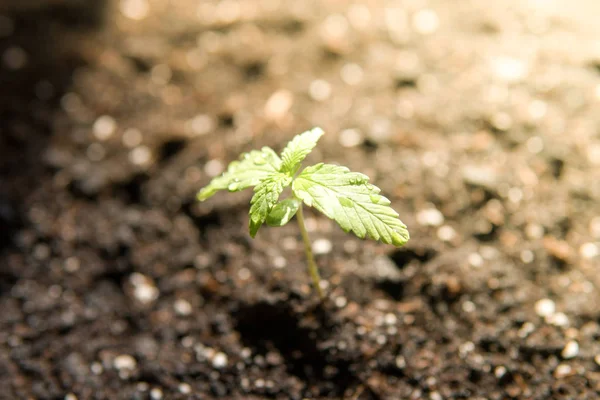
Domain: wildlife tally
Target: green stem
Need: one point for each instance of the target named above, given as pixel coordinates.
(313, 270)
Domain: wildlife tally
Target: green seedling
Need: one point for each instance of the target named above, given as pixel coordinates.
(344, 196)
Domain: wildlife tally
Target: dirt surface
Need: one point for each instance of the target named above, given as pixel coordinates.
(478, 120)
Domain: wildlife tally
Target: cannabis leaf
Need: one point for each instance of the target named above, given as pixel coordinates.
(266, 194)
(298, 149)
(349, 199)
(283, 212)
(250, 170)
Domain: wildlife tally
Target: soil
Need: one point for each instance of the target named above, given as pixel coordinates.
(478, 120)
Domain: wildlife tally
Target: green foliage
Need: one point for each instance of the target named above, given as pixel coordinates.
(350, 200)
(344, 196)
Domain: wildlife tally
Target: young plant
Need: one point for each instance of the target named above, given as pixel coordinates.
(344, 196)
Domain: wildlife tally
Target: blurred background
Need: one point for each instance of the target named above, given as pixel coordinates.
(478, 119)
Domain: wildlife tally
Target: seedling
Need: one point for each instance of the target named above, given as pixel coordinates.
(344, 196)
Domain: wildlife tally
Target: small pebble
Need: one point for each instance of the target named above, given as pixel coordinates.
(597, 359)
(219, 360)
(589, 250)
(322, 246)
(144, 289)
(70, 396)
(500, 371)
(213, 167)
(475, 260)
(201, 124)
(571, 350)
(558, 319)
(135, 9)
(156, 394)
(509, 69)
(562, 371)
(430, 217)
(535, 144)
(426, 22)
(185, 388)
(140, 155)
(131, 138)
(527, 256)
(319, 90)
(124, 362)
(545, 307)
(279, 104)
(352, 74)
(446, 233)
(350, 138)
(104, 127)
(183, 307)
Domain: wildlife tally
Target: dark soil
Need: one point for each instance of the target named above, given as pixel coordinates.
(478, 120)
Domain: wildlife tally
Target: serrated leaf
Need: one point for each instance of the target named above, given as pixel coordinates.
(349, 199)
(266, 194)
(248, 171)
(283, 212)
(297, 150)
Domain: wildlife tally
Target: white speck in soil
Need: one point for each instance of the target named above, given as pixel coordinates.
(535, 144)
(468, 306)
(558, 319)
(340, 302)
(425, 22)
(322, 246)
(475, 260)
(124, 362)
(140, 155)
(562, 371)
(537, 109)
(515, 195)
(501, 121)
(359, 16)
(509, 69)
(319, 90)
(219, 360)
(446, 233)
(132, 137)
(104, 127)
(589, 250)
(430, 217)
(144, 289)
(534, 231)
(135, 9)
(70, 396)
(244, 274)
(156, 394)
(352, 74)
(279, 262)
(390, 319)
(571, 350)
(350, 138)
(527, 256)
(526, 329)
(278, 105)
(96, 368)
(213, 167)
(183, 307)
(15, 58)
(545, 307)
(500, 371)
(593, 154)
(185, 388)
(200, 125)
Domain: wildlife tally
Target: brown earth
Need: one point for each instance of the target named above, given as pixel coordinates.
(478, 120)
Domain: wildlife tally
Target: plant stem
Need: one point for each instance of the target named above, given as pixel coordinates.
(313, 270)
